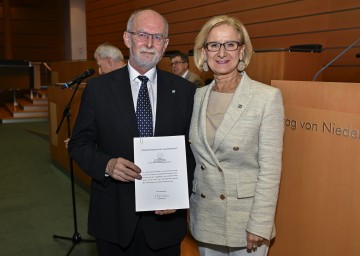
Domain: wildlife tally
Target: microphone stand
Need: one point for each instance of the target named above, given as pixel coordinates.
(338, 56)
(76, 238)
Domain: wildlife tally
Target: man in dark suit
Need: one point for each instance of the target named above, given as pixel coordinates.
(102, 143)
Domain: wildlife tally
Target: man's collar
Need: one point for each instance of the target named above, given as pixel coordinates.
(186, 72)
(151, 74)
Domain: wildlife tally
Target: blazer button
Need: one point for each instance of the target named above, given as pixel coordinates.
(202, 195)
(219, 169)
(236, 148)
(202, 167)
(189, 141)
(222, 197)
(239, 106)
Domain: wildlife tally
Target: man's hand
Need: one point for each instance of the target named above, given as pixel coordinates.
(164, 212)
(66, 142)
(123, 170)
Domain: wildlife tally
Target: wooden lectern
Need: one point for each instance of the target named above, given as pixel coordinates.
(58, 99)
(318, 211)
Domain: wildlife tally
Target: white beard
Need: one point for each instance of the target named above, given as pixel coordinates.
(145, 63)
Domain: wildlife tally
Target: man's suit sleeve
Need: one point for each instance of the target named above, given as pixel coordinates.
(82, 145)
(189, 155)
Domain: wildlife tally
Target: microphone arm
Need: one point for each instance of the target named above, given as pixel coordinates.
(338, 56)
(77, 80)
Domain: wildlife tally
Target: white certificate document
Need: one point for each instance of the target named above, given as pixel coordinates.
(164, 183)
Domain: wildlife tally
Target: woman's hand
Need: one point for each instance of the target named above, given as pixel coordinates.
(253, 241)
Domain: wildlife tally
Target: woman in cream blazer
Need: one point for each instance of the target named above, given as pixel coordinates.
(238, 168)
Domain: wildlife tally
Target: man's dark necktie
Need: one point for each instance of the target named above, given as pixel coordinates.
(143, 110)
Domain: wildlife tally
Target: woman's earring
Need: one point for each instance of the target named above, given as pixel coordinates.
(241, 65)
(205, 67)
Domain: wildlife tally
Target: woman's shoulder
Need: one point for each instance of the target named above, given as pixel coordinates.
(201, 93)
(203, 89)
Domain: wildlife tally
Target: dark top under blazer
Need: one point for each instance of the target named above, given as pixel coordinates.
(104, 129)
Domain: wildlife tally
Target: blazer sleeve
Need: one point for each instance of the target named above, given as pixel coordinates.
(261, 221)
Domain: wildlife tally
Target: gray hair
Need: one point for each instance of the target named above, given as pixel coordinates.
(107, 50)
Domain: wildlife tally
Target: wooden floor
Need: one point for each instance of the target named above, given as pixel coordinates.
(189, 246)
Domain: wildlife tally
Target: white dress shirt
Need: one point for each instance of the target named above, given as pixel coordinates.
(184, 75)
(151, 85)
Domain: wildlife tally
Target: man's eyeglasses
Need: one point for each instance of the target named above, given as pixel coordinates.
(144, 36)
(176, 63)
(215, 46)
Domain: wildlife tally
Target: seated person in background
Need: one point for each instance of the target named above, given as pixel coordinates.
(180, 66)
(108, 58)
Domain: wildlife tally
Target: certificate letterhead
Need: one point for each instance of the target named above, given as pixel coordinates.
(164, 183)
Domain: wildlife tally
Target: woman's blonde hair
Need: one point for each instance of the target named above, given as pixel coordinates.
(201, 38)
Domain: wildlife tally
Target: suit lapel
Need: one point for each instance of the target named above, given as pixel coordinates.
(121, 91)
(165, 98)
(235, 110)
(202, 119)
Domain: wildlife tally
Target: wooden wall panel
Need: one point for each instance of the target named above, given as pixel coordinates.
(303, 25)
(205, 11)
(26, 27)
(37, 31)
(251, 16)
(293, 10)
(115, 8)
(349, 58)
(348, 73)
(45, 13)
(329, 39)
(272, 24)
(37, 42)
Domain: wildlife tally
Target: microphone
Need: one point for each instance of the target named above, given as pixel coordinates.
(78, 79)
(334, 59)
